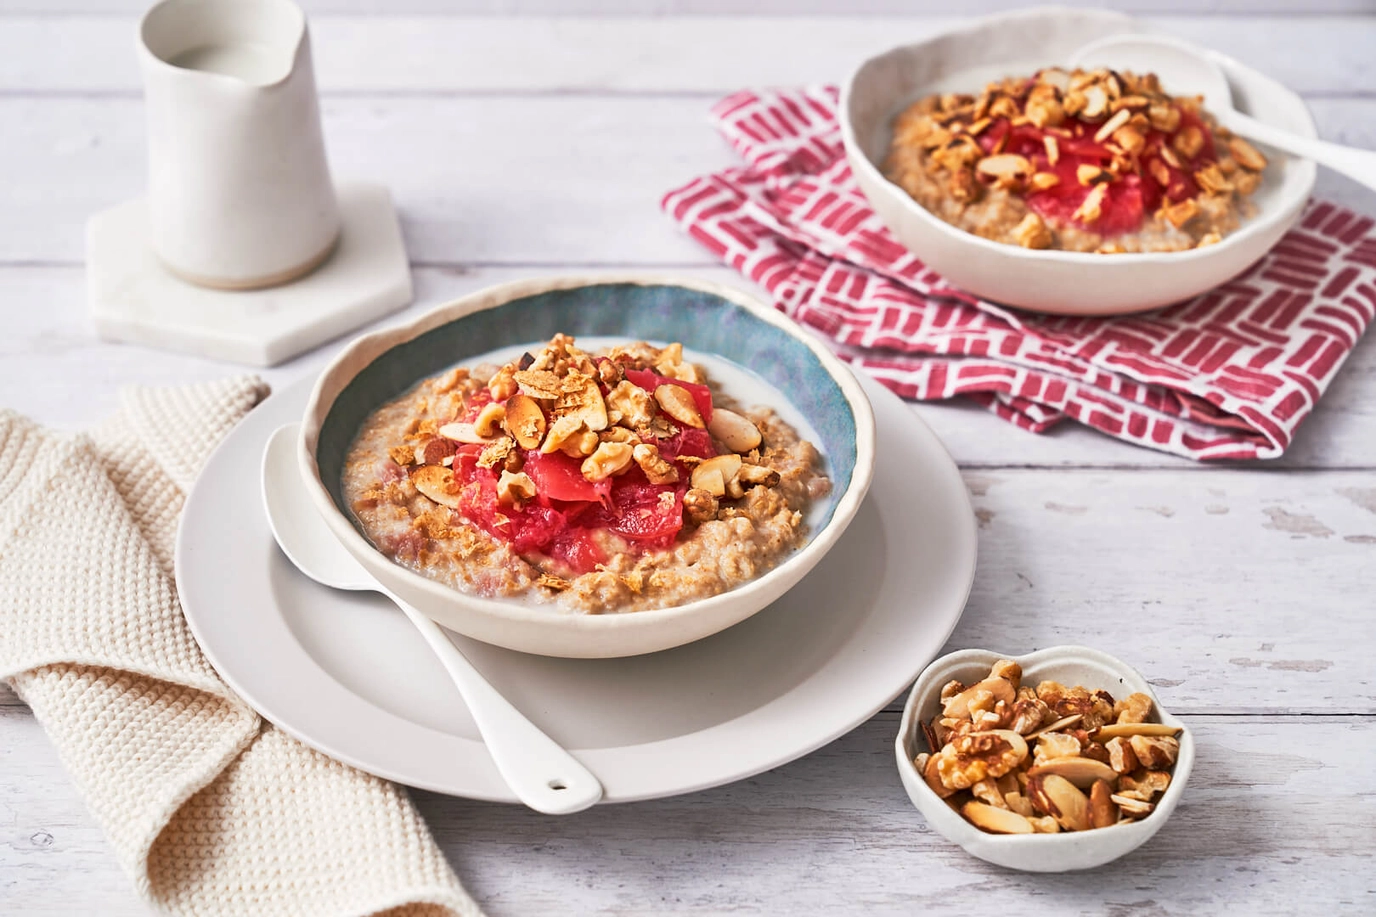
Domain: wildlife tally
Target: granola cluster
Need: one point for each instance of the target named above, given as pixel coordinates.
(1014, 759)
(1095, 156)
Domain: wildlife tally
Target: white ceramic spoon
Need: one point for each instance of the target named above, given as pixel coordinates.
(544, 776)
(1187, 69)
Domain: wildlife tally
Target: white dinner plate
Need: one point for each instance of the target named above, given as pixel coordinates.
(347, 674)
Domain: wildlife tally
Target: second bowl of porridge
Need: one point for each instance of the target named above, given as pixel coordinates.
(589, 469)
(1096, 192)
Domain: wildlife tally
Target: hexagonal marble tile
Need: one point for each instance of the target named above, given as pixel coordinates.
(134, 299)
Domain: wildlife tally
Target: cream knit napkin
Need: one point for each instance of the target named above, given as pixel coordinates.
(209, 809)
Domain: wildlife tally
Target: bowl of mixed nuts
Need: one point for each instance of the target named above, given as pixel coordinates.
(1055, 761)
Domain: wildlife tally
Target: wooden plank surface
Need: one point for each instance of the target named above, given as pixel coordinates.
(519, 147)
(1276, 819)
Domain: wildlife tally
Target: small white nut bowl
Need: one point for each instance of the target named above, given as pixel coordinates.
(1066, 851)
(1047, 280)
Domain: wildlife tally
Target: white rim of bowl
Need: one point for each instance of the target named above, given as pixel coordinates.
(513, 609)
(1261, 223)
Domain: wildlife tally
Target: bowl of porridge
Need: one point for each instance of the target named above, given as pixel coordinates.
(589, 468)
(1064, 190)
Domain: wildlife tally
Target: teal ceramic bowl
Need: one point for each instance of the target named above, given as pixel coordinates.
(707, 318)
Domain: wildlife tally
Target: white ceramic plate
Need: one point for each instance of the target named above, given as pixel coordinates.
(347, 674)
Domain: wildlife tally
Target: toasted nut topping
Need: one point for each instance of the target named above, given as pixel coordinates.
(752, 475)
(1114, 730)
(538, 383)
(1053, 149)
(1121, 756)
(1212, 179)
(1004, 165)
(525, 420)
(699, 506)
(970, 758)
(501, 449)
(629, 404)
(1043, 180)
(609, 459)
(1155, 752)
(1130, 139)
(657, 470)
(1088, 174)
(1144, 785)
(1092, 207)
(1063, 723)
(1246, 183)
(619, 435)
(1134, 808)
(1164, 117)
(713, 474)
(563, 430)
(1169, 156)
(676, 401)
(1059, 798)
(735, 432)
(1106, 130)
(1082, 772)
(1052, 745)
(489, 422)
(1135, 708)
(550, 581)
(462, 433)
(1181, 213)
(1102, 810)
(1032, 232)
(437, 483)
(611, 373)
(1159, 172)
(1188, 142)
(515, 489)
(1247, 156)
(581, 445)
(996, 820)
(996, 689)
(1096, 103)
(502, 386)
(1211, 238)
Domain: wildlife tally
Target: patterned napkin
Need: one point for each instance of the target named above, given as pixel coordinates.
(209, 809)
(1228, 375)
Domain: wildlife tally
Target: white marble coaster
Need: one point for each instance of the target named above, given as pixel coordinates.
(134, 299)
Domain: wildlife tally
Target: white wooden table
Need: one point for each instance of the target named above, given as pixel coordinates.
(527, 146)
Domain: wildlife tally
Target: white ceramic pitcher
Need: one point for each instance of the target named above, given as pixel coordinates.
(240, 195)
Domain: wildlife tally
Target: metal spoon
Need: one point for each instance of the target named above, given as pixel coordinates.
(1187, 69)
(544, 776)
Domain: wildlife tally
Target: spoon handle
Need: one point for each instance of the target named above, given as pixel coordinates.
(540, 772)
(1359, 165)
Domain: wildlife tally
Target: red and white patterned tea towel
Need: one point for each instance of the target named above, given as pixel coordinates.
(1228, 375)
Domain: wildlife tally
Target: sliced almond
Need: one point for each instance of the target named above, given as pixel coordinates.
(1043, 180)
(1061, 799)
(437, 483)
(1102, 811)
(1132, 807)
(735, 432)
(995, 820)
(1088, 174)
(463, 433)
(1004, 165)
(1057, 726)
(1093, 206)
(525, 420)
(539, 383)
(678, 403)
(1053, 149)
(1106, 130)
(1096, 103)
(1115, 730)
(1083, 772)
(715, 472)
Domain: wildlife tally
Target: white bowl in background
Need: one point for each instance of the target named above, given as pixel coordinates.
(1066, 851)
(1072, 283)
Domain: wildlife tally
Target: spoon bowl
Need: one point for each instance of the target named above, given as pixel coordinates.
(543, 775)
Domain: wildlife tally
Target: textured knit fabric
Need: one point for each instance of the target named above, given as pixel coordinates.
(1229, 374)
(210, 810)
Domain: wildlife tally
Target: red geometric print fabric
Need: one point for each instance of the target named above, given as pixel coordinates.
(1228, 375)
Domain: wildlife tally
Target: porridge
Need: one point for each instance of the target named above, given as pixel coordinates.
(1087, 161)
(615, 482)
